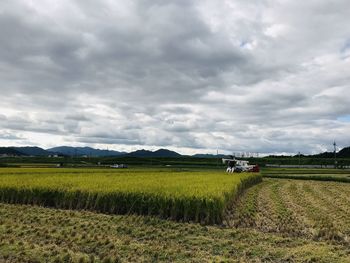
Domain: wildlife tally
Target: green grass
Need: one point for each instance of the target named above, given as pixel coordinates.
(337, 175)
(306, 171)
(199, 196)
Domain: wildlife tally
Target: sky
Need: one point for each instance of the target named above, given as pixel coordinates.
(192, 76)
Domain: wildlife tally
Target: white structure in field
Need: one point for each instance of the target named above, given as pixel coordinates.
(119, 166)
(234, 165)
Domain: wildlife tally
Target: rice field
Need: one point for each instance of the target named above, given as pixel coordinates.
(276, 220)
(199, 196)
(297, 208)
(36, 234)
(337, 175)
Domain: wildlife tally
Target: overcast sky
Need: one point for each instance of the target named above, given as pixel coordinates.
(192, 76)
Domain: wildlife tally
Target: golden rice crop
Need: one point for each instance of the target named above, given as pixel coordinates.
(200, 196)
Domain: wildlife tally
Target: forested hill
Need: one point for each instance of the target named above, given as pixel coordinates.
(343, 153)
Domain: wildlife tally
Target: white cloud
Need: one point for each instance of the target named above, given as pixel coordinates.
(187, 75)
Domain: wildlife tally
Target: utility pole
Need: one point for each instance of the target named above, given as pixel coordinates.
(217, 157)
(299, 159)
(75, 157)
(335, 155)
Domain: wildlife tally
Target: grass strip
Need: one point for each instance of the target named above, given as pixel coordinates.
(309, 177)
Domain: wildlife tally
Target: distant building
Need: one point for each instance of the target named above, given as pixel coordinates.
(119, 166)
(299, 166)
(7, 155)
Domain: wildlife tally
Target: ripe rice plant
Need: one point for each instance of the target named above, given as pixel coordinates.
(199, 196)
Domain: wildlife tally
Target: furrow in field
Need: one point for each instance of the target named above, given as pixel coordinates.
(36, 234)
(324, 227)
(297, 208)
(243, 212)
(300, 225)
(341, 193)
(339, 205)
(280, 214)
(265, 207)
(328, 204)
(303, 206)
(266, 219)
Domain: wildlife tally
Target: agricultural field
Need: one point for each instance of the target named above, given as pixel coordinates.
(200, 196)
(36, 234)
(312, 210)
(338, 175)
(49, 215)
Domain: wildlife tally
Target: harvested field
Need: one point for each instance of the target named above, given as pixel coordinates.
(336, 175)
(310, 209)
(35, 234)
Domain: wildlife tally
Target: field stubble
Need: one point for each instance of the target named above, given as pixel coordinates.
(335, 175)
(310, 209)
(36, 234)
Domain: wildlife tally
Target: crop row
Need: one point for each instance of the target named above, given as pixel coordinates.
(315, 177)
(315, 210)
(36, 234)
(184, 196)
(306, 171)
(336, 175)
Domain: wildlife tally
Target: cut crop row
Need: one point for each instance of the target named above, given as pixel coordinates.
(36, 234)
(297, 208)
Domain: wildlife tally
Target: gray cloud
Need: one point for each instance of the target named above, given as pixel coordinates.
(188, 75)
(6, 135)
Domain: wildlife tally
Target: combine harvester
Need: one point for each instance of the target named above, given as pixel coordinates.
(234, 165)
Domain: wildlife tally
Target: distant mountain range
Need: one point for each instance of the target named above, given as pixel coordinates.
(24, 151)
(35, 151)
(88, 151)
(343, 153)
(200, 155)
(9, 151)
(158, 153)
(80, 151)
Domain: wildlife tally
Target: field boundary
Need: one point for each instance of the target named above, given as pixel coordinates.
(309, 177)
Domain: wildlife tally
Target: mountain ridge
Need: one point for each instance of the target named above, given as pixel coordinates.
(89, 151)
(157, 153)
(79, 151)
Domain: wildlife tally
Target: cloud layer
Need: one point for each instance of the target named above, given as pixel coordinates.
(192, 76)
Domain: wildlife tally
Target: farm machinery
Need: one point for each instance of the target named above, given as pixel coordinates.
(237, 166)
